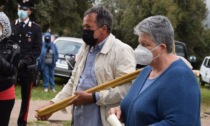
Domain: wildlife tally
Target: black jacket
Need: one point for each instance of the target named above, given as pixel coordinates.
(29, 38)
(9, 59)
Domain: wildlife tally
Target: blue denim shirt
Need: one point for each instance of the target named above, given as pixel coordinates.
(88, 115)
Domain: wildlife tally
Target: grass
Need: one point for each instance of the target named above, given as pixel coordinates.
(205, 94)
(49, 123)
(205, 98)
(38, 91)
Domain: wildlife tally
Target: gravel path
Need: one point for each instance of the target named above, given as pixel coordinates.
(59, 116)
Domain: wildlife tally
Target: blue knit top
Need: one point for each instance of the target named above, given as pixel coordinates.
(172, 100)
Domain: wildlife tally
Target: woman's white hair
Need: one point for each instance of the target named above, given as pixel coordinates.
(6, 27)
(159, 28)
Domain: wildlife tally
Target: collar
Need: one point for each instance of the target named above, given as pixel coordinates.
(100, 45)
(26, 21)
(109, 43)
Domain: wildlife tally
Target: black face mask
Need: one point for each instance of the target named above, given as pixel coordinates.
(88, 38)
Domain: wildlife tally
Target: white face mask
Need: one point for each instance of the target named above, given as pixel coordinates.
(143, 55)
(22, 14)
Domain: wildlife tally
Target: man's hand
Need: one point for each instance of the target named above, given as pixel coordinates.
(82, 98)
(44, 118)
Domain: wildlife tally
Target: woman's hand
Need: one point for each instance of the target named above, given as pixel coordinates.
(117, 111)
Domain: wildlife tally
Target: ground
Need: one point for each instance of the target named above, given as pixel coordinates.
(55, 119)
(59, 117)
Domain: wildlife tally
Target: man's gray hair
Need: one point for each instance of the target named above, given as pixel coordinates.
(159, 28)
(104, 17)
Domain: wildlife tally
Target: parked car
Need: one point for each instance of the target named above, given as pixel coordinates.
(67, 48)
(205, 71)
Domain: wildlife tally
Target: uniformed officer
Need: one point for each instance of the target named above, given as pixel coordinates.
(28, 36)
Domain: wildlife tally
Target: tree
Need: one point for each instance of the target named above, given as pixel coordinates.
(61, 16)
(186, 17)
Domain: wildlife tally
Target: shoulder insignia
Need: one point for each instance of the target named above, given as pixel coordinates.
(36, 24)
(16, 22)
(29, 24)
(15, 46)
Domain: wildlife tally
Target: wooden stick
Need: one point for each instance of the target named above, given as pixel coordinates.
(64, 103)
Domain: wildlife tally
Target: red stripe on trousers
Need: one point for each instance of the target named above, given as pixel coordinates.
(26, 114)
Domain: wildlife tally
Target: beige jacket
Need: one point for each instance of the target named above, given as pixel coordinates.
(114, 60)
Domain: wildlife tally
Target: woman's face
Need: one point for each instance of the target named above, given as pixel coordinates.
(147, 42)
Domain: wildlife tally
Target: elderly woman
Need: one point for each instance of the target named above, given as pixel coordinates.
(166, 92)
(9, 59)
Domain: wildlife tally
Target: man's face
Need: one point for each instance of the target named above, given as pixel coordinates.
(89, 23)
(23, 8)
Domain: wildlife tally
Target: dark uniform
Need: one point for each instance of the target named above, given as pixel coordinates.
(29, 37)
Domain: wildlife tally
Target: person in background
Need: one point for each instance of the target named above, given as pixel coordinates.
(28, 36)
(9, 59)
(47, 62)
(101, 58)
(166, 92)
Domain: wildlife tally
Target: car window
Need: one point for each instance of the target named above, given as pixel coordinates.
(67, 47)
(205, 62)
(208, 64)
(180, 50)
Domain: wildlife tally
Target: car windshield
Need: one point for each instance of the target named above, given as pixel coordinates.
(67, 47)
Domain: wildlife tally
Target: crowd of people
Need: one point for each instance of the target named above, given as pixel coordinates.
(165, 92)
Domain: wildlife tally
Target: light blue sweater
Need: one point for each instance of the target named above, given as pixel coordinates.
(172, 100)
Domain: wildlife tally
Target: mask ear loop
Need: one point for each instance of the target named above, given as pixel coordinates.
(158, 54)
(97, 29)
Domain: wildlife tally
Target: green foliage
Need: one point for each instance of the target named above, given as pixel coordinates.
(186, 17)
(63, 17)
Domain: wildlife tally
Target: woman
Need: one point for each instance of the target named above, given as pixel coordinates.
(166, 92)
(9, 59)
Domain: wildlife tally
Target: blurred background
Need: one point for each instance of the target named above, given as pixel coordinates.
(190, 19)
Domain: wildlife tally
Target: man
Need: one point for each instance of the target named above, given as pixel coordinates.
(28, 36)
(101, 58)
